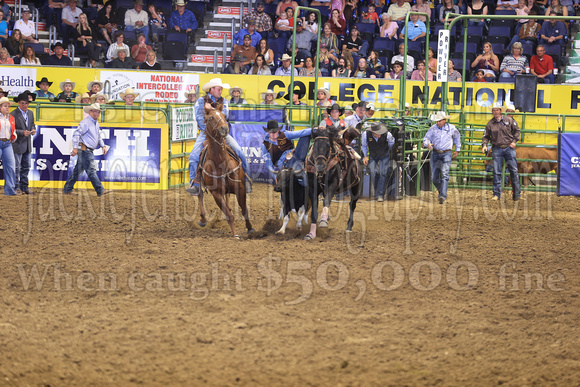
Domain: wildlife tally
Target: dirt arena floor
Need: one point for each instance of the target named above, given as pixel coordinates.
(127, 289)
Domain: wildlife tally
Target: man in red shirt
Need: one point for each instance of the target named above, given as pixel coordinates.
(542, 65)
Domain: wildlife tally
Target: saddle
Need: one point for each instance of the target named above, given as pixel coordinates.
(202, 157)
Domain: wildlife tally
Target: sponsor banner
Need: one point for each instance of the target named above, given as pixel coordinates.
(207, 59)
(16, 80)
(569, 164)
(250, 138)
(218, 34)
(230, 11)
(183, 124)
(152, 86)
(443, 56)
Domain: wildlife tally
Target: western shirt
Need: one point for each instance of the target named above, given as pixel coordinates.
(443, 138)
(132, 17)
(88, 133)
(184, 22)
(199, 109)
(266, 155)
(502, 132)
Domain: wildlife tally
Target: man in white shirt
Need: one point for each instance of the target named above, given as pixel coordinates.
(401, 58)
(70, 20)
(27, 27)
(137, 20)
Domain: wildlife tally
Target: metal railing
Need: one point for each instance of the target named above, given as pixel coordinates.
(225, 51)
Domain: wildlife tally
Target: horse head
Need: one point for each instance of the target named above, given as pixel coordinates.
(322, 148)
(216, 123)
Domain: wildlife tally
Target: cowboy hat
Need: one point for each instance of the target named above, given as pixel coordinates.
(44, 79)
(67, 81)
(239, 58)
(272, 127)
(286, 57)
(24, 96)
(94, 106)
(238, 89)
(138, 2)
(82, 96)
(180, 3)
(129, 91)
(335, 107)
(91, 83)
(361, 104)
(57, 44)
(192, 90)
(94, 97)
(348, 108)
(299, 93)
(269, 91)
(438, 116)
(378, 128)
(371, 106)
(58, 98)
(214, 83)
(325, 91)
(3, 92)
(4, 100)
(497, 105)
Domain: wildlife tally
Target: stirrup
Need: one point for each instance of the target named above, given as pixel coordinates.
(193, 189)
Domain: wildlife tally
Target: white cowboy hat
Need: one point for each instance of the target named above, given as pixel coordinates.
(91, 83)
(192, 90)
(180, 3)
(407, 105)
(438, 116)
(67, 81)
(269, 91)
(286, 57)
(94, 97)
(129, 91)
(371, 106)
(4, 100)
(325, 91)
(497, 105)
(511, 107)
(94, 106)
(82, 96)
(213, 83)
(237, 88)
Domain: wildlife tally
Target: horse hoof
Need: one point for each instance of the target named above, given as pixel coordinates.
(202, 224)
(280, 232)
(251, 230)
(237, 237)
(323, 224)
(348, 230)
(309, 237)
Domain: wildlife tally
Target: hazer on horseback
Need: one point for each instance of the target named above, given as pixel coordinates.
(213, 100)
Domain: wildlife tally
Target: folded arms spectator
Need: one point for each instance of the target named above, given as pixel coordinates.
(553, 32)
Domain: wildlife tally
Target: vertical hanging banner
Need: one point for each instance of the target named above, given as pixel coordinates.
(443, 56)
(569, 164)
(183, 124)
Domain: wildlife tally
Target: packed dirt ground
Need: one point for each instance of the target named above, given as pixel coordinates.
(127, 289)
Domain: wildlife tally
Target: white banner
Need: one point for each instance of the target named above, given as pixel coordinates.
(443, 56)
(153, 86)
(183, 124)
(16, 79)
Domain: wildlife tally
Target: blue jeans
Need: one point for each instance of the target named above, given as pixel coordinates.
(509, 155)
(7, 157)
(440, 164)
(198, 146)
(22, 168)
(549, 78)
(379, 182)
(85, 162)
(143, 30)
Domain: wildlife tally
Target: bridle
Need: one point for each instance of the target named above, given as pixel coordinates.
(221, 118)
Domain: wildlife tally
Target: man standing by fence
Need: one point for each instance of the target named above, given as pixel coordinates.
(377, 143)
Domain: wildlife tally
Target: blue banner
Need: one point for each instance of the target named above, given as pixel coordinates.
(569, 164)
(250, 138)
(256, 115)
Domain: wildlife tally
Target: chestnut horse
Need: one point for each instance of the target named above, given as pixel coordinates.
(222, 174)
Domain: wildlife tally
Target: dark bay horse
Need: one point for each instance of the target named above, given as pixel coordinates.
(326, 176)
(222, 174)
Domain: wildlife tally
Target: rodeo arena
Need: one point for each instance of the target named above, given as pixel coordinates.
(273, 192)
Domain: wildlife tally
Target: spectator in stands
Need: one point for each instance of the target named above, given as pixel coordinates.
(477, 7)
(51, 10)
(26, 26)
(42, 91)
(560, 9)
(191, 96)
(262, 19)
(3, 93)
(479, 76)
(375, 68)
(331, 41)
(236, 93)
(94, 87)
(86, 39)
(432, 64)
(3, 28)
(389, 28)
(70, 20)
(399, 11)
(260, 66)
(448, 7)
(341, 71)
(402, 58)
(523, 10)
(504, 5)
(349, 60)
(268, 98)
(284, 4)
(422, 6)
(106, 21)
(123, 61)
(246, 50)
(15, 44)
(264, 49)
(84, 99)
(29, 57)
(139, 51)
(290, 14)
(575, 8)
(452, 74)
(488, 62)
(310, 23)
(299, 58)
(553, 32)
(370, 16)
(137, 20)
(129, 97)
(255, 37)
(5, 57)
(304, 40)
(513, 64)
(157, 24)
(114, 48)
(58, 58)
(150, 62)
(528, 32)
(284, 69)
(354, 43)
(296, 97)
(416, 29)
(337, 23)
(361, 69)
(323, 97)
(419, 74)
(397, 71)
(325, 64)
(308, 70)
(349, 9)
(283, 28)
(236, 65)
(67, 90)
(101, 98)
(542, 65)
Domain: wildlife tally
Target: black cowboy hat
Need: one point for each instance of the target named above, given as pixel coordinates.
(272, 127)
(296, 91)
(362, 104)
(44, 79)
(57, 44)
(239, 58)
(57, 99)
(335, 107)
(24, 96)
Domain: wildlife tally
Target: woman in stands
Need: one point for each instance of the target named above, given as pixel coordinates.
(331, 41)
(361, 69)
(419, 74)
(477, 7)
(448, 7)
(528, 32)
(140, 50)
(556, 6)
(389, 27)
(3, 28)
(308, 70)
(5, 57)
(157, 23)
(106, 22)
(310, 23)
(86, 38)
(15, 44)
(432, 64)
(337, 23)
(268, 98)
(453, 75)
(29, 57)
(285, 4)
(342, 71)
(513, 64)
(422, 6)
(260, 66)
(488, 62)
(266, 52)
(349, 10)
(375, 68)
(114, 48)
(151, 62)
